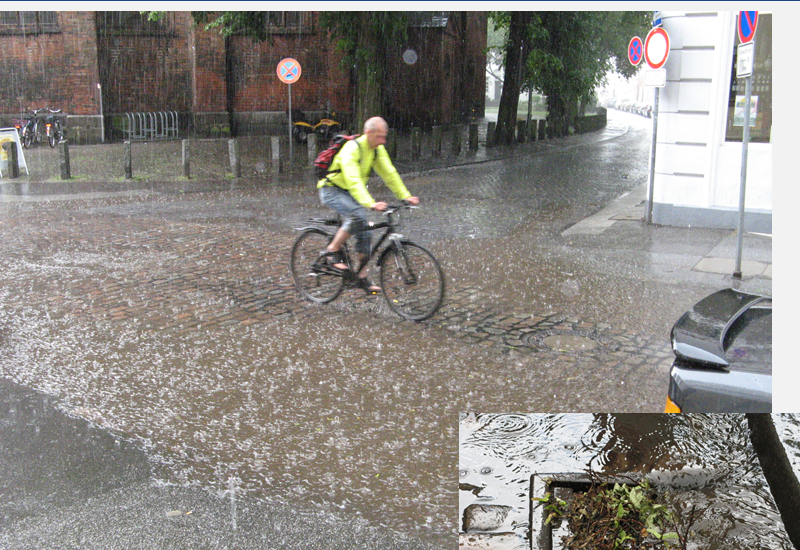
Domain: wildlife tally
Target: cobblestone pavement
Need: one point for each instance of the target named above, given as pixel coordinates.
(166, 309)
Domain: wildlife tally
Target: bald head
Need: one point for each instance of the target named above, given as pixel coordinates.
(375, 123)
(376, 129)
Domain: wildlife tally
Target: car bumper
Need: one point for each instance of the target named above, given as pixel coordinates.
(719, 391)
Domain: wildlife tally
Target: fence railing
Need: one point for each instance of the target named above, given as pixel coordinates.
(151, 126)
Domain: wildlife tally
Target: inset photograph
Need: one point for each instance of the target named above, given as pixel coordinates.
(616, 481)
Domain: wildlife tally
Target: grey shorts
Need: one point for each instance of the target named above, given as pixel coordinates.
(353, 214)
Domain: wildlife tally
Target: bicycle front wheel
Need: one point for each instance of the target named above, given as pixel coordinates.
(315, 280)
(412, 281)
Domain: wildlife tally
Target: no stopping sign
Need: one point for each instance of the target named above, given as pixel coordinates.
(656, 48)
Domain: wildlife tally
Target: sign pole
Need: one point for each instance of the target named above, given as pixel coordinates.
(289, 72)
(651, 185)
(291, 151)
(746, 30)
(737, 270)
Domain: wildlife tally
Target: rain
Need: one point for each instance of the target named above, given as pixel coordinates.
(161, 310)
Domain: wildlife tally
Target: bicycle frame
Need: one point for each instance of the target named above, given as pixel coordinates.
(389, 224)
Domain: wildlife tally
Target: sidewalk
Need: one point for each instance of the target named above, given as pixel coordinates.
(720, 258)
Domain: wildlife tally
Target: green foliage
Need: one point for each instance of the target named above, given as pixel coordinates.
(363, 37)
(252, 24)
(555, 507)
(566, 55)
(614, 518)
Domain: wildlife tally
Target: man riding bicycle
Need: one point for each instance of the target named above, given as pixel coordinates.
(344, 189)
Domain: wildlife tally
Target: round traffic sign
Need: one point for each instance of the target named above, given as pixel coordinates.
(746, 26)
(656, 48)
(289, 70)
(635, 50)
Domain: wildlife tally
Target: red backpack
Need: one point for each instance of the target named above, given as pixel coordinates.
(322, 163)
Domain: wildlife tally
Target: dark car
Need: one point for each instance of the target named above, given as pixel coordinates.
(723, 355)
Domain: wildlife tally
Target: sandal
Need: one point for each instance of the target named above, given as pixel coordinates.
(364, 284)
(334, 259)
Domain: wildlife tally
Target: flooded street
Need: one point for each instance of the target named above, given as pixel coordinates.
(700, 461)
(171, 318)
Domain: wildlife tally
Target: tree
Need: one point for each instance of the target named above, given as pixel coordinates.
(565, 56)
(783, 483)
(516, 51)
(363, 38)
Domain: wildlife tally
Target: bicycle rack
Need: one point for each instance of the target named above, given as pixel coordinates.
(158, 125)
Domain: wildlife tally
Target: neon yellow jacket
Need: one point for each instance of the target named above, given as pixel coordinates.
(355, 160)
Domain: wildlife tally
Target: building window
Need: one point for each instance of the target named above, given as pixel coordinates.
(761, 89)
(28, 22)
(288, 22)
(131, 23)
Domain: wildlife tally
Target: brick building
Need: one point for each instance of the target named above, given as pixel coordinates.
(97, 66)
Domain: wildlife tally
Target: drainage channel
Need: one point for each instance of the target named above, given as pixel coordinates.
(488, 526)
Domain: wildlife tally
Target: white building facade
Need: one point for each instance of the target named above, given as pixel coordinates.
(698, 155)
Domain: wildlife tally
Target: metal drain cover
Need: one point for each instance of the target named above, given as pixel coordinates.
(571, 342)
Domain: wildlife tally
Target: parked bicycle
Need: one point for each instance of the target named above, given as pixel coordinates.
(54, 130)
(411, 279)
(32, 130)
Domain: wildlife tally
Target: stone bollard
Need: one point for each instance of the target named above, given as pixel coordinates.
(473, 136)
(311, 141)
(456, 140)
(532, 129)
(491, 128)
(233, 155)
(126, 160)
(276, 154)
(522, 126)
(542, 130)
(10, 148)
(437, 141)
(416, 143)
(185, 158)
(63, 159)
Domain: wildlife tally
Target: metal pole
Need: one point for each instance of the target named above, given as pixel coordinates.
(651, 184)
(102, 121)
(737, 270)
(290, 122)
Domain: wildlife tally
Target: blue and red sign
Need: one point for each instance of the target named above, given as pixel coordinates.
(289, 71)
(635, 50)
(746, 27)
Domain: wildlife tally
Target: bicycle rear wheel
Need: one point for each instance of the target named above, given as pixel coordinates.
(315, 280)
(412, 281)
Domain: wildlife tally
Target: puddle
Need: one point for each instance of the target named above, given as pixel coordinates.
(705, 461)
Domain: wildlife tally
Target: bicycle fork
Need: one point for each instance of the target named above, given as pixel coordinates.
(402, 260)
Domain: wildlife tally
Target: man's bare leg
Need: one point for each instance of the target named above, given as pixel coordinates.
(336, 244)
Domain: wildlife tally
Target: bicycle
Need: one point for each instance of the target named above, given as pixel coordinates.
(32, 131)
(55, 132)
(411, 279)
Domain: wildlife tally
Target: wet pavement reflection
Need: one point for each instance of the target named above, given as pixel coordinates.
(167, 314)
(700, 461)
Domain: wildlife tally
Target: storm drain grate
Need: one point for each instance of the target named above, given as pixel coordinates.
(562, 486)
(572, 342)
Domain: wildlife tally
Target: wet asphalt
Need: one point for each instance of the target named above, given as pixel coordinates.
(559, 298)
